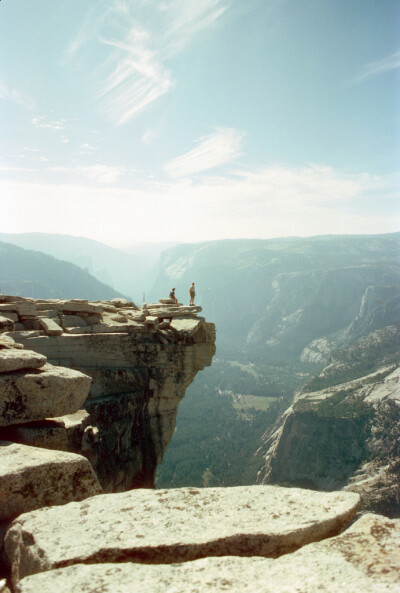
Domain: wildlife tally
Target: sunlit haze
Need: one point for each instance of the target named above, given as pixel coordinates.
(190, 120)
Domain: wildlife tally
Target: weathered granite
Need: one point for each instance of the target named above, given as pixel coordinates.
(364, 558)
(41, 393)
(81, 306)
(15, 360)
(65, 433)
(139, 374)
(344, 436)
(7, 341)
(31, 478)
(50, 326)
(168, 526)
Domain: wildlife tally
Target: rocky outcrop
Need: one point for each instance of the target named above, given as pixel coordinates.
(178, 525)
(344, 436)
(364, 558)
(137, 364)
(40, 393)
(140, 362)
(31, 477)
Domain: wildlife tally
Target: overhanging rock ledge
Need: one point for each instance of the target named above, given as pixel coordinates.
(140, 360)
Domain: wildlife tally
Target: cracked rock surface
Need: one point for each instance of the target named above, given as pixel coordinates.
(364, 558)
(168, 526)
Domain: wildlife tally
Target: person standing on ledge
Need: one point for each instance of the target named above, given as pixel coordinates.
(172, 295)
(192, 293)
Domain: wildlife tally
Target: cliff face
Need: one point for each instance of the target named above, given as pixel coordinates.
(344, 436)
(140, 367)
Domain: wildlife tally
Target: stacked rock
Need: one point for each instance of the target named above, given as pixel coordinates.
(25, 318)
(32, 477)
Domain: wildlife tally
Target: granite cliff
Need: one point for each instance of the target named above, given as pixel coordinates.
(343, 429)
(139, 362)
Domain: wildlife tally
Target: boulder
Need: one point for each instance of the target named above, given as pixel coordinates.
(175, 311)
(50, 326)
(26, 308)
(72, 321)
(31, 478)
(81, 306)
(15, 359)
(9, 315)
(118, 302)
(41, 393)
(8, 342)
(365, 558)
(62, 434)
(186, 327)
(20, 307)
(168, 526)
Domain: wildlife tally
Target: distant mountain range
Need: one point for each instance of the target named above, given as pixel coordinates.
(129, 271)
(36, 275)
(284, 309)
(270, 299)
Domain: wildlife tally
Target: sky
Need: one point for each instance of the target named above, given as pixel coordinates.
(191, 120)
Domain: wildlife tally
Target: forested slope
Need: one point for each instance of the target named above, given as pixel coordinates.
(33, 274)
(282, 308)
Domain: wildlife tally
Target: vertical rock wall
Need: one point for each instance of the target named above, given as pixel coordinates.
(140, 369)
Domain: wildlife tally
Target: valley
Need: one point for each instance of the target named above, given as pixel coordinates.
(292, 315)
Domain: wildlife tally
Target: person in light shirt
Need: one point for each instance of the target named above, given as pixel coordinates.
(192, 293)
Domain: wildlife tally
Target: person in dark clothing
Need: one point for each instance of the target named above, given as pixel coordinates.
(172, 295)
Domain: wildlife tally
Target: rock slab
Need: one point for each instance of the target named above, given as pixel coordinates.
(365, 558)
(31, 478)
(168, 526)
(43, 393)
(15, 359)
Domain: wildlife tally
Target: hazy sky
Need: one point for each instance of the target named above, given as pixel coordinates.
(189, 120)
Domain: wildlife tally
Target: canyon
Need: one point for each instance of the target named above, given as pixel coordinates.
(89, 397)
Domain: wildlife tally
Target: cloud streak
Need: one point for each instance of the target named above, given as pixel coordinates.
(134, 73)
(41, 122)
(136, 79)
(104, 174)
(378, 67)
(215, 150)
(15, 97)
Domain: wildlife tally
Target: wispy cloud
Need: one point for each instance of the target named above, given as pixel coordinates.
(134, 72)
(41, 122)
(104, 174)
(137, 78)
(378, 67)
(90, 28)
(214, 150)
(15, 97)
(187, 18)
(87, 148)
